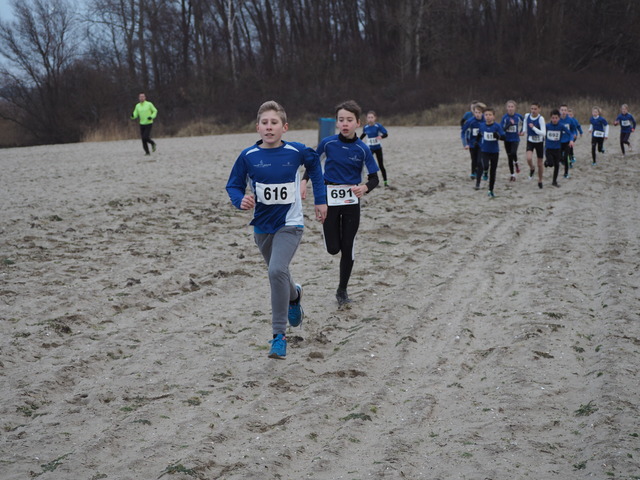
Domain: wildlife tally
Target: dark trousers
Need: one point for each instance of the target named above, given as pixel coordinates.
(487, 161)
(553, 160)
(145, 134)
(596, 142)
(624, 140)
(340, 229)
(474, 152)
(379, 158)
(564, 157)
(512, 154)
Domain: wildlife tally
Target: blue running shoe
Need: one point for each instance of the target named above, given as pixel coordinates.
(278, 347)
(491, 194)
(296, 314)
(473, 175)
(485, 176)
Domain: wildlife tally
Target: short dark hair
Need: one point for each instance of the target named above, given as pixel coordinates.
(555, 111)
(350, 106)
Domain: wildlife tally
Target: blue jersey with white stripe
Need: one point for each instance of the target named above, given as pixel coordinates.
(470, 131)
(554, 135)
(373, 131)
(345, 159)
(567, 136)
(275, 166)
(489, 136)
(627, 122)
(599, 124)
(512, 126)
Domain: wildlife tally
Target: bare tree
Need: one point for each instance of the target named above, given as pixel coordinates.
(40, 46)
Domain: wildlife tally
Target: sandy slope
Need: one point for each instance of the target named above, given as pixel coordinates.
(489, 339)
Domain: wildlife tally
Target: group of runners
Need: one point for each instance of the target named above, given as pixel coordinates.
(270, 170)
(552, 143)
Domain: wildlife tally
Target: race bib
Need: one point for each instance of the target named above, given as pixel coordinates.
(535, 138)
(554, 135)
(340, 195)
(512, 129)
(598, 133)
(489, 137)
(625, 123)
(276, 193)
(474, 132)
(373, 141)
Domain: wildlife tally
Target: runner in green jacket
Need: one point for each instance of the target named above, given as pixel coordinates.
(146, 112)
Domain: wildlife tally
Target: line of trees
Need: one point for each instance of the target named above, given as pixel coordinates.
(66, 71)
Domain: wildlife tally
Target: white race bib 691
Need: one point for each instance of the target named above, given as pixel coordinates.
(598, 133)
(276, 193)
(373, 141)
(340, 195)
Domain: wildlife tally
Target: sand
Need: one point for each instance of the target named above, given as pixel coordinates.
(488, 338)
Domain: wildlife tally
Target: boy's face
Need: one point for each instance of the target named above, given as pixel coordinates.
(555, 119)
(488, 117)
(535, 109)
(371, 118)
(478, 114)
(347, 123)
(511, 108)
(271, 129)
(623, 110)
(595, 112)
(570, 113)
(563, 111)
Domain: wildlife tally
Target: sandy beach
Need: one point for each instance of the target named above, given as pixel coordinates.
(489, 339)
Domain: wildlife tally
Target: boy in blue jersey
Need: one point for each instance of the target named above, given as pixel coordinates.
(554, 136)
(512, 125)
(469, 134)
(490, 133)
(535, 128)
(374, 132)
(567, 138)
(599, 129)
(627, 126)
(345, 156)
(576, 128)
(271, 169)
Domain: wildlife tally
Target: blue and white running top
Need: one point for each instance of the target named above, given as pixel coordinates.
(372, 132)
(272, 174)
(345, 160)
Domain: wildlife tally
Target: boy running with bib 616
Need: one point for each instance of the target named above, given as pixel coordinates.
(271, 169)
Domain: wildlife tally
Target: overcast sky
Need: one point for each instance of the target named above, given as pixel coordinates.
(5, 10)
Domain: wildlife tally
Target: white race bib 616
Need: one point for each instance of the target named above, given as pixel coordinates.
(373, 141)
(340, 195)
(276, 193)
(598, 133)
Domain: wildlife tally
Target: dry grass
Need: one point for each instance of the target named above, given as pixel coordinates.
(443, 114)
